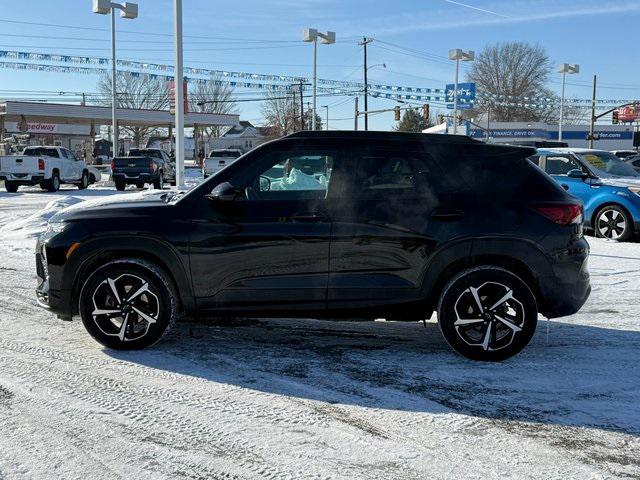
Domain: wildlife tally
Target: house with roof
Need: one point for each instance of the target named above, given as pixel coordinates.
(244, 136)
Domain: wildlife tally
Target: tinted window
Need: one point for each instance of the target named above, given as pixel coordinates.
(535, 159)
(224, 154)
(391, 172)
(139, 152)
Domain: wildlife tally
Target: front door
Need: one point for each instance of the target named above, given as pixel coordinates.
(269, 249)
(558, 166)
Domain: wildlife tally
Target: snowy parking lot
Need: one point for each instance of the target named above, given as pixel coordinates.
(297, 398)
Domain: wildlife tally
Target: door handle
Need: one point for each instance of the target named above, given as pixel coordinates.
(565, 186)
(447, 214)
(308, 217)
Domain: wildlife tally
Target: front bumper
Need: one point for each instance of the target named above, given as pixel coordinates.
(58, 301)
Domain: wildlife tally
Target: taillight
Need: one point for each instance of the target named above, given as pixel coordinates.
(561, 213)
(113, 165)
(152, 165)
(40, 164)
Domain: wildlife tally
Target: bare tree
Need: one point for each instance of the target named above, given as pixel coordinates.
(215, 96)
(510, 72)
(136, 91)
(280, 113)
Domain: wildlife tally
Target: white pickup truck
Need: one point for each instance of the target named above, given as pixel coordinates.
(45, 166)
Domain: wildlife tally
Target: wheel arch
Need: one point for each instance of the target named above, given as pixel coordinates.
(598, 209)
(91, 255)
(530, 265)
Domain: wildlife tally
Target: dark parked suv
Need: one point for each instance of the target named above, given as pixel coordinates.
(330, 225)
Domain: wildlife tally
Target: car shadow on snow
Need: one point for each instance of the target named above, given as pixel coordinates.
(582, 376)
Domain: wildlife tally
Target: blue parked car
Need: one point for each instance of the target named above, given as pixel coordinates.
(608, 187)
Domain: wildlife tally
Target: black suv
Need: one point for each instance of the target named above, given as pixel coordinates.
(330, 225)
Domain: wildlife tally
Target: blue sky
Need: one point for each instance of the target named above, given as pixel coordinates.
(264, 37)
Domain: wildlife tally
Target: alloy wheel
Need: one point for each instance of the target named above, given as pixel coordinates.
(125, 307)
(611, 224)
(488, 316)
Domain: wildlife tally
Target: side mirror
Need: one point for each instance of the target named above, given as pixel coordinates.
(577, 173)
(225, 192)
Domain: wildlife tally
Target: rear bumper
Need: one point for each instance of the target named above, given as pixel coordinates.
(566, 290)
(135, 178)
(22, 179)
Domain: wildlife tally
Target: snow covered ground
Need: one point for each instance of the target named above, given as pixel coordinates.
(313, 399)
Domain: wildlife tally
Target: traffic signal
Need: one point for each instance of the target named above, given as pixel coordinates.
(615, 119)
(425, 112)
(396, 113)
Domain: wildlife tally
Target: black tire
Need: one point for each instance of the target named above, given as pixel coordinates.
(120, 186)
(158, 183)
(92, 179)
(10, 186)
(158, 302)
(53, 184)
(84, 181)
(497, 332)
(613, 222)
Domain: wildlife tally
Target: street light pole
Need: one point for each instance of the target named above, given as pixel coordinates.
(179, 93)
(457, 55)
(312, 35)
(564, 69)
(130, 11)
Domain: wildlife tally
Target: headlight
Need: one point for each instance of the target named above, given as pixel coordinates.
(56, 227)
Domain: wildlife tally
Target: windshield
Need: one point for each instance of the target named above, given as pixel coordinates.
(607, 165)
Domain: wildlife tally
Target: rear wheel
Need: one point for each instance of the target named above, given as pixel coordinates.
(10, 186)
(487, 313)
(53, 184)
(128, 304)
(613, 222)
(120, 186)
(84, 181)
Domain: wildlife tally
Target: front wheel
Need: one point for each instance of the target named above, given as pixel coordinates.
(487, 313)
(128, 304)
(10, 186)
(613, 222)
(158, 184)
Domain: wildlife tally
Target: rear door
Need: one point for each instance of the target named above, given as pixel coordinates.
(381, 204)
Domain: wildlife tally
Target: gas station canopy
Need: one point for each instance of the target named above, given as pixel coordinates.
(61, 113)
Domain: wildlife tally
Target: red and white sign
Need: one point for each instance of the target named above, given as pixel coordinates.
(172, 96)
(52, 128)
(629, 114)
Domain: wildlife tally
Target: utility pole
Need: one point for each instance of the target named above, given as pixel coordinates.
(326, 123)
(364, 43)
(593, 113)
(355, 117)
(179, 92)
(301, 106)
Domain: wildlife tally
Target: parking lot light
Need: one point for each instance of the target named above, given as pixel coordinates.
(564, 69)
(457, 55)
(312, 35)
(129, 11)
